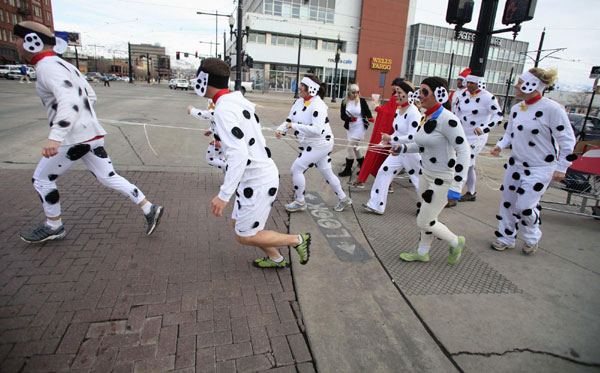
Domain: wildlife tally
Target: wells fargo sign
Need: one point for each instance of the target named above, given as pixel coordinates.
(379, 63)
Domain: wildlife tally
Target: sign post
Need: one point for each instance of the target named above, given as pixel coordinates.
(594, 74)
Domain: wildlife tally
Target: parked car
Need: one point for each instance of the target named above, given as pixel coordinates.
(592, 127)
(246, 86)
(179, 83)
(14, 72)
(112, 77)
(124, 79)
(3, 71)
(31, 72)
(94, 76)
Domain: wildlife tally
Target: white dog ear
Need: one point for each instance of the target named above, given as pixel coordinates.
(32, 43)
(411, 98)
(441, 95)
(416, 94)
(61, 46)
(201, 84)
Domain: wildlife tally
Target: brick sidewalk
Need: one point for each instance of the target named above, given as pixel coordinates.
(107, 297)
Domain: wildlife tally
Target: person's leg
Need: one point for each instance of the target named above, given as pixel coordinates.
(99, 163)
(384, 177)
(507, 217)
(213, 158)
(323, 163)
(412, 165)
(298, 168)
(433, 201)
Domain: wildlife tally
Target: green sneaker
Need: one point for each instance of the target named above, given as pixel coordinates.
(456, 251)
(267, 262)
(303, 249)
(414, 256)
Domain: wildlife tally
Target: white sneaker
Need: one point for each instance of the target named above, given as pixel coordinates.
(370, 209)
(342, 204)
(501, 246)
(295, 206)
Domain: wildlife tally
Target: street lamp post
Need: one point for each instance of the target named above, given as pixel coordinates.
(508, 84)
(239, 35)
(335, 78)
(298, 66)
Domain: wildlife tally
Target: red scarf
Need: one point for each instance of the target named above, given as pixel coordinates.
(219, 94)
(308, 98)
(433, 109)
(534, 100)
(38, 57)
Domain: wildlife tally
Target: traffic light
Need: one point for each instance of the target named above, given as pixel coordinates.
(177, 55)
(459, 12)
(517, 11)
(186, 54)
(249, 61)
(196, 54)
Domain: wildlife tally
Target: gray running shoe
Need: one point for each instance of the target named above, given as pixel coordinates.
(370, 209)
(43, 233)
(295, 206)
(153, 218)
(342, 204)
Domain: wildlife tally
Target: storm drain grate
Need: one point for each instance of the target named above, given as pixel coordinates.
(396, 232)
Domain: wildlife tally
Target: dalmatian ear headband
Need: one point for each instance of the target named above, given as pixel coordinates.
(205, 79)
(481, 83)
(34, 41)
(441, 95)
(412, 96)
(416, 94)
(531, 83)
(313, 87)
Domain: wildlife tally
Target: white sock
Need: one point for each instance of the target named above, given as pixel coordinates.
(278, 260)
(300, 238)
(54, 224)
(146, 207)
(454, 242)
(422, 249)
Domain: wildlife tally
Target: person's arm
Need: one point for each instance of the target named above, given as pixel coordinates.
(236, 152)
(506, 140)
(200, 114)
(366, 112)
(564, 136)
(343, 115)
(69, 105)
(413, 118)
(496, 115)
(455, 135)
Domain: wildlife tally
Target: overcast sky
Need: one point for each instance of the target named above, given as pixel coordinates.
(107, 25)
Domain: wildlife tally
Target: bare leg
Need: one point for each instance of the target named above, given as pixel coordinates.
(268, 241)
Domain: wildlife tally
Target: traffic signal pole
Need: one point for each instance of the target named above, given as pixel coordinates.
(485, 27)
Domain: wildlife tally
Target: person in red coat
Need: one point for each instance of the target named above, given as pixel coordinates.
(383, 124)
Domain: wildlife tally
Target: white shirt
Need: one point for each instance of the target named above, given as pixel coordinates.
(405, 125)
(540, 135)
(248, 158)
(310, 122)
(478, 110)
(68, 99)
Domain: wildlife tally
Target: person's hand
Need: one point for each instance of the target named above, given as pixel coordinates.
(217, 144)
(217, 205)
(495, 151)
(558, 176)
(478, 131)
(212, 142)
(50, 148)
(396, 149)
(288, 125)
(189, 109)
(207, 133)
(278, 134)
(385, 137)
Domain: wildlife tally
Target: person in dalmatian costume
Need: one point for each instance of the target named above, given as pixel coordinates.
(250, 173)
(479, 111)
(461, 87)
(75, 132)
(214, 153)
(542, 141)
(309, 123)
(444, 155)
(406, 121)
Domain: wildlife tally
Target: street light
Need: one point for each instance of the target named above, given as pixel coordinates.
(239, 35)
(217, 15)
(335, 80)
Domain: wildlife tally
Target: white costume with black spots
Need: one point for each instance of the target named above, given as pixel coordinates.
(444, 156)
(214, 155)
(405, 126)
(476, 110)
(455, 99)
(250, 173)
(310, 125)
(68, 99)
(542, 142)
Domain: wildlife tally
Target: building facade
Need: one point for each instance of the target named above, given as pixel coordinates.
(15, 11)
(430, 51)
(144, 54)
(327, 27)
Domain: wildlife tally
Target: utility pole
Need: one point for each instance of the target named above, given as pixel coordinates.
(539, 51)
(450, 70)
(224, 45)
(238, 49)
(508, 83)
(130, 67)
(76, 58)
(481, 46)
(217, 15)
(298, 66)
(335, 77)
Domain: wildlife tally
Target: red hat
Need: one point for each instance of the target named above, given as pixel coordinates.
(464, 73)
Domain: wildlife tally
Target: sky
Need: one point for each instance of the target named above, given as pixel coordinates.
(106, 27)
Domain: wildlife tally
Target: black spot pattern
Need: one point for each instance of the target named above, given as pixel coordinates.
(538, 114)
(549, 158)
(538, 187)
(507, 205)
(452, 123)
(246, 114)
(498, 234)
(459, 167)
(237, 132)
(516, 175)
(86, 104)
(432, 223)
(51, 177)
(571, 157)
(385, 168)
(255, 225)
(427, 195)
(432, 160)
(68, 84)
(414, 124)
(52, 197)
(100, 152)
(256, 117)
(251, 142)
(439, 181)
(248, 192)
(272, 191)
(64, 123)
(451, 163)
(315, 114)
(430, 126)
(111, 174)
(308, 148)
(268, 152)
(458, 178)
(460, 140)
(77, 151)
(527, 212)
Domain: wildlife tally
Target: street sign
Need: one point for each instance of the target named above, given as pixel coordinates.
(595, 73)
(72, 38)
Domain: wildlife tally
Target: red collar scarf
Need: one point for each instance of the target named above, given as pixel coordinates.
(219, 94)
(40, 56)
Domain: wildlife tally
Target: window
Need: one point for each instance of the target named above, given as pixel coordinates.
(1, 16)
(14, 19)
(48, 16)
(11, 2)
(4, 35)
(37, 11)
(46, 2)
(268, 7)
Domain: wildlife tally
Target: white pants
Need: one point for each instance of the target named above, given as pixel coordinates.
(353, 151)
(520, 209)
(215, 158)
(319, 157)
(252, 207)
(432, 200)
(476, 144)
(388, 170)
(96, 160)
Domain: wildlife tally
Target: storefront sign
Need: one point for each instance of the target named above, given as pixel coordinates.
(379, 63)
(347, 61)
(469, 36)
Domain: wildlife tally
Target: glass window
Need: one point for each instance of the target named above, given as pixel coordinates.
(277, 8)
(251, 38)
(286, 10)
(421, 42)
(431, 69)
(295, 11)
(304, 12)
(418, 66)
(1, 16)
(330, 17)
(289, 41)
(273, 39)
(14, 16)
(313, 14)
(268, 6)
(438, 69)
(321, 16)
(424, 68)
(281, 40)
(261, 38)
(428, 43)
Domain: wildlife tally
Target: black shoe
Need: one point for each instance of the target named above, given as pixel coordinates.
(43, 233)
(468, 197)
(153, 218)
(348, 170)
